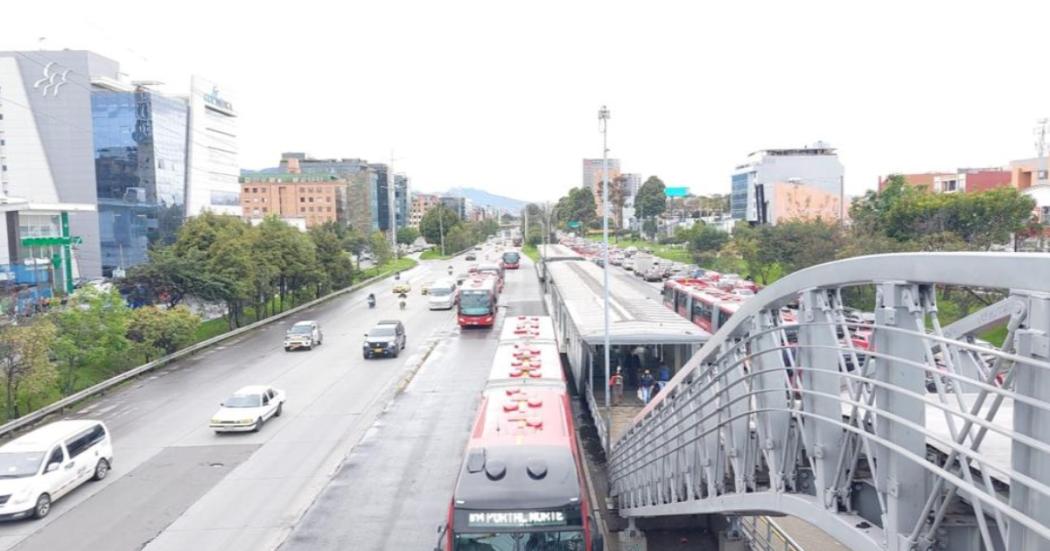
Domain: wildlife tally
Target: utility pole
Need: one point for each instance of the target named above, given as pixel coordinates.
(391, 183)
(1040, 149)
(441, 226)
(603, 120)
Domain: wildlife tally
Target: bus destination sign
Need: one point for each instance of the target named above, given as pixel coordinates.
(516, 519)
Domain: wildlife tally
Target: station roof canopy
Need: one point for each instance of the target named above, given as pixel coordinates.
(634, 317)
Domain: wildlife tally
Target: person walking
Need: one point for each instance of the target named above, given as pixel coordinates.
(616, 385)
(663, 376)
(647, 383)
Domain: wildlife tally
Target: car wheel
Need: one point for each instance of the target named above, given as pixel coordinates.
(365, 356)
(287, 349)
(311, 347)
(101, 469)
(258, 425)
(280, 407)
(43, 506)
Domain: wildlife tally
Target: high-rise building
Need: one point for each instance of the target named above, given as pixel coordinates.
(753, 198)
(213, 180)
(421, 203)
(592, 176)
(47, 138)
(381, 210)
(140, 172)
(358, 204)
(631, 182)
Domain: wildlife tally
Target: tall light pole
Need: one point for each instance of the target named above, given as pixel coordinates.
(603, 121)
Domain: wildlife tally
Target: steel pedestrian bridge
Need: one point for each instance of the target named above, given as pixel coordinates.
(929, 439)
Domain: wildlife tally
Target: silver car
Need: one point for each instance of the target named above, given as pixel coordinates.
(304, 334)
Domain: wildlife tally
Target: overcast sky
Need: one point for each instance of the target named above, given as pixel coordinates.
(505, 98)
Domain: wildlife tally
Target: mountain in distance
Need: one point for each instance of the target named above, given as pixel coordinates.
(482, 197)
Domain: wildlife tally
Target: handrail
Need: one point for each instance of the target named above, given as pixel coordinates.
(30, 419)
(1030, 271)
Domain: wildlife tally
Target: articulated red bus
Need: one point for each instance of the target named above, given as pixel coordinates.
(511, 260)
(477, 302)
(520, 485)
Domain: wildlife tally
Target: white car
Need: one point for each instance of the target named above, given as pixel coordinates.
(38, 468)
(248, 409)
(442, 295)
(304, 334)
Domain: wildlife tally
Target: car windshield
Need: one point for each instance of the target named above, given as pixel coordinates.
(243, 401)
(300, 329)
(568, 540)
(382, 331)
(440, 291)
(21, 464)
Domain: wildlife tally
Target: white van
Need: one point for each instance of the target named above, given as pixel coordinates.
(39, 467)
(642, 263)
(442, 295)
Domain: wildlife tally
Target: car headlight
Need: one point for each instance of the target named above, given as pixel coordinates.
(216, 421)
(246, 421)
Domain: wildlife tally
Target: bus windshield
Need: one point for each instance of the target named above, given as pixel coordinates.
(566, 540)
(511, 257)
(475, 303)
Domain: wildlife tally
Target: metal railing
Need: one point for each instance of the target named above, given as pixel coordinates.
(893, 434)
(764, 535)
(60, 406)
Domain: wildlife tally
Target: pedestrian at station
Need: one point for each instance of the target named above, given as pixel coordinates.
(647, 386)
(663, 376)
(616, 386)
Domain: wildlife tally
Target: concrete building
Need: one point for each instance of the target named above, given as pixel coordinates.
(964, 180)
(359, 203)
(46, 131)
(459, 205)
(1030, 177)
(797, 201)
(592, 176)
(752, 196)
(421, 203)
(212, 184)
(313, 198)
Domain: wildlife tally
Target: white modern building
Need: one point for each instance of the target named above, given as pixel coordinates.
(817, 166)
(212, 184)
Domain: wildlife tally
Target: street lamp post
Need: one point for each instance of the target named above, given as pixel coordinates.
(603, 120)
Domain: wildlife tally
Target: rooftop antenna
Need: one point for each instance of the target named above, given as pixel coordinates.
(1040, 149)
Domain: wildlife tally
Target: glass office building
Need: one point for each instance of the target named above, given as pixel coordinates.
(140, 168)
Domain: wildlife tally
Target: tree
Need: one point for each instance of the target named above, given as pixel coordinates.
(92, 333)
(407, 235)
(650, 201)
(332, 257)
(616, 199)
(381, 248)
(457, 239)
(25, 364)
(156, 332)
(705, 242)
(437, 220)
(577, 206)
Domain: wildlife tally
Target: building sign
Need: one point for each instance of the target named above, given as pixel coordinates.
(215, 100)
(516, 519)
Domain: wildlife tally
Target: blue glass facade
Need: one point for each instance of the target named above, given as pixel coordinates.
(738, 199)
(140, 171)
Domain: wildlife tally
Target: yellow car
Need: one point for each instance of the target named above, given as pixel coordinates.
(402, 287)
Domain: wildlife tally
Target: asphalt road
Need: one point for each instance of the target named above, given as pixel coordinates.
(175, 485)
(394, 488)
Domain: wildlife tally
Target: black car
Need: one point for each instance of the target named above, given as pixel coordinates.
(387, 338)
(470, 256)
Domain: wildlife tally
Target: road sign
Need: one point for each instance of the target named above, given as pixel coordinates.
(574, 223)
(676, 191)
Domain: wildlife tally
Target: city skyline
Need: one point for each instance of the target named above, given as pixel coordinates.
(677, 111)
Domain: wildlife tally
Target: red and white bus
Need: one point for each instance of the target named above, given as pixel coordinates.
(701, 301)
(510, 260)
(520, 485)
(477, 302)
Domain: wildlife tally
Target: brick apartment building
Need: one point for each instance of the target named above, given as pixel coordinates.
(312, 198)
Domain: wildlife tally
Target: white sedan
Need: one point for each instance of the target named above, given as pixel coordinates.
(248, 409)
